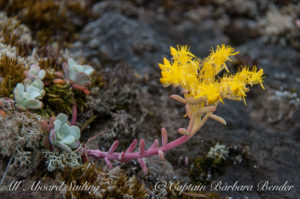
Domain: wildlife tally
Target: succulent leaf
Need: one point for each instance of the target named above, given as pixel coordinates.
(27, 96)
(63, 118)
(78, 74)
(33, 104)
(75, 131)
(35, 73)
(65, 136)
(68, 140)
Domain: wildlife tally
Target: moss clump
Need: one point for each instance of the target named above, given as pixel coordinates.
(97, 80)
(114, 184)
(11, 73)
(193, 195)
(48, 18)
(13, 33)
(50, 62)
(204, 168)
(23, 49)
(60, 99)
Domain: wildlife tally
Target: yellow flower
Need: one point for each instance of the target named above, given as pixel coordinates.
(182, 55)
(203, 86)
(200, 79)
(220, 56)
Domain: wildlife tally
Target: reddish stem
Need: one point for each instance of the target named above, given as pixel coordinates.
(74, 115)
(142, 153)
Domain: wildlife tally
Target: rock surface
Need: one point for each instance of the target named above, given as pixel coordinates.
(267, 127)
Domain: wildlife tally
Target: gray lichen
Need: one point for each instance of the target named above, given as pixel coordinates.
(19, 129)
(218, 151)
(20, 137)
(60, 160)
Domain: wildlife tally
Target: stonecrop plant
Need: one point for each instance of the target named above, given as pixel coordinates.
(79, 76)
(64, 135)
(205, 83)
(27, 95)
(204, 87)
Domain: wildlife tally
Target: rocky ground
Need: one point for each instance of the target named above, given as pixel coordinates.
(125, 40)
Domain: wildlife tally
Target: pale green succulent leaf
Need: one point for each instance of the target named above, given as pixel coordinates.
(88, 69)
(75, 131)
(33, 104)
(52, 136)
(38, 84)
(75, 145)
(64, 131)
(20, 107)
(68, 140)
(57, 125)
(19, 92)
(63, 146)
(63, 118)
(34, 94)
(41, 74)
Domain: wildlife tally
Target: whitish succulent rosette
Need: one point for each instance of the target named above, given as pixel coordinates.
(27, 96)
(63, 135)
(78, 74)
(35, 72)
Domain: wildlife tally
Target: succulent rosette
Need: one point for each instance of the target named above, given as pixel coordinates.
(78, 74)
(27, 96)
(63, 135)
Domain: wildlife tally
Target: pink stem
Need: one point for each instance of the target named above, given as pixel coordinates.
(143, 165)
(74, 115)
(136, 155)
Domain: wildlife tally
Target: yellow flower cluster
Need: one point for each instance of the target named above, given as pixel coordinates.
(201, 80)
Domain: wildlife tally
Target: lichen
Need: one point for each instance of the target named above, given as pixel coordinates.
(18, 129)
(61, 160)
(218, 151)
(118, 91)
(278, 25)
(21, 135)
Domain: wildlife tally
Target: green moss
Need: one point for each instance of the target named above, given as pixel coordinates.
(11, 73)
(50, 62)
(48, 18)
(193, 195)
(11, 34)
(115, 185)
(97, 80)
(60, 98)
(203, 169)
